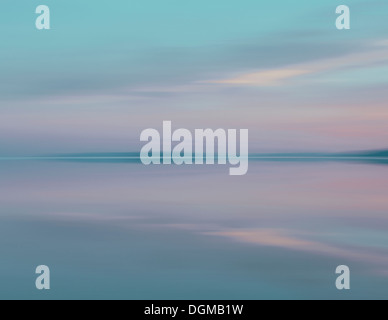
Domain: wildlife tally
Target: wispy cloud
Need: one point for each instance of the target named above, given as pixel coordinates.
(376, 54)
(264, 78)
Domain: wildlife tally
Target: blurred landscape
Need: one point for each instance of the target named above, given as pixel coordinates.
(110, 229)
(75, 197)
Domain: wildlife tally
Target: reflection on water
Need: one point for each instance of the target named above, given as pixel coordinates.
(123, 230)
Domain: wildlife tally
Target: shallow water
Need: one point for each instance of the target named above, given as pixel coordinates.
(126, 231)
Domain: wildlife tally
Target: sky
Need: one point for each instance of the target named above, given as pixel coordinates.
(107, 70)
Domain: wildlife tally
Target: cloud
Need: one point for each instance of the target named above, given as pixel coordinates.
(264, 78)
(377, 54)
(175, 67)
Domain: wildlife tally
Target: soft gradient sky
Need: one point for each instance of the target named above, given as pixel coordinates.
(109, 69)
(116, 229)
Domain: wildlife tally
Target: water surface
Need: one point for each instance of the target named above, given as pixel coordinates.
(127, 231)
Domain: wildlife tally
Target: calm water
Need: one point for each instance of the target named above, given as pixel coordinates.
(126, 231)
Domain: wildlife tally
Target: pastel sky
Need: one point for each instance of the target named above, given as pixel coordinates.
(109, 69)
